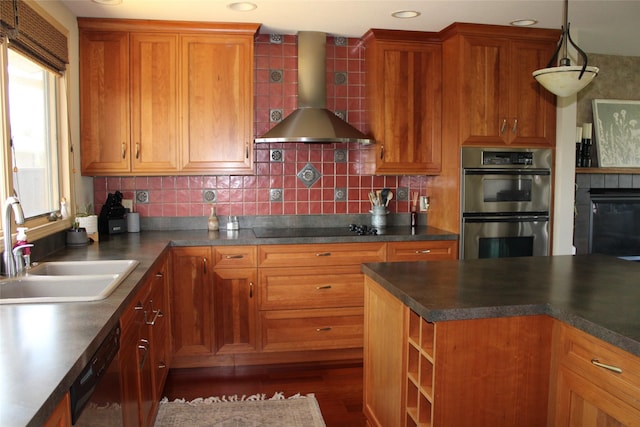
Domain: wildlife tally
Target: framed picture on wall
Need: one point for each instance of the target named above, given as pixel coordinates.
(617, 132)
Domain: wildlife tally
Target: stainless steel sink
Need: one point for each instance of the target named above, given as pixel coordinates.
(66, 281)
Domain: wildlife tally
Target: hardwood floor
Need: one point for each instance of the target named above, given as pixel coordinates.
(337, 387)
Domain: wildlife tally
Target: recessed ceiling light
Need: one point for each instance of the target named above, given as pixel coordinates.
(523, 22)
(405, 14)
(243, 6)
(108, 2)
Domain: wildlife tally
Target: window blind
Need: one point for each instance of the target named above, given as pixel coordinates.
(32, 35)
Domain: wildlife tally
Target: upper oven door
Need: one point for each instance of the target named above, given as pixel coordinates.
(506, 190)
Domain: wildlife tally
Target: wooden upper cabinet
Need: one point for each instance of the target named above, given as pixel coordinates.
(104, 102)
(154, 102)
(163, 97)
(404, 101)
(492, 95)
(217, 103)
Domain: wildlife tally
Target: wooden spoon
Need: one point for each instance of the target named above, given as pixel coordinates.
(389, 197)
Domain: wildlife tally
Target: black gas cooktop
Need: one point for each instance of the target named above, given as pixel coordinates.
(351, 230)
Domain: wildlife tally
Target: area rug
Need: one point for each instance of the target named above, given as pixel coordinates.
(245, 411)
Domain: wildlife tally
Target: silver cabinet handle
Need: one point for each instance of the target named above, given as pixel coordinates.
(204, 265)
(382, 152)
(124, 150)
(323, 287)
(156, 314)
(159, 274)
(325, 329)
(324, 254)
(424, 251)
(504, 126)
(234, 256)
(137, 150)
(515, 126)
(612, 368)
(250, 289)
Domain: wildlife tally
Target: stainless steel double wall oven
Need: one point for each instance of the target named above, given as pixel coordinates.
(506, 198)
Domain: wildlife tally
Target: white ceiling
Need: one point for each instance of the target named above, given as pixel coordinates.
(604, 26)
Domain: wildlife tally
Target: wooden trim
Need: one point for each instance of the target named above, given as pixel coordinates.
(138, 25)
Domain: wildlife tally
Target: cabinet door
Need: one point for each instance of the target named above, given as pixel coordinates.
(583, 403)
(384, 356)
(154, 102)
(406, 94)
(104, 102)
(532, 108)
(158, 323)
(235, 310)
(484, 109)
(217, 103)
(192, 302)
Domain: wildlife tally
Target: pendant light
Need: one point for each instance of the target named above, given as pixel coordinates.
(566, 79)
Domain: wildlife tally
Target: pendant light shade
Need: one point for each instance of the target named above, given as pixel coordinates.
(566, 79)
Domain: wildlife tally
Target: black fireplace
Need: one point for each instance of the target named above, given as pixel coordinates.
(615, 222)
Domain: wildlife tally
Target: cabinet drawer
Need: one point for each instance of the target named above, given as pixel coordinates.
(234, 256)
(422, 251)
(579, 349)
(320, 254)
(288, 288)
(321, 329)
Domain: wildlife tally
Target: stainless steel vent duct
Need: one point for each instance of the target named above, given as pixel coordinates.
(312, 122)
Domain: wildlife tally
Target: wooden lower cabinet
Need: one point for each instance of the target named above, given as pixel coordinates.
(247, 304)
(481, 372)
(61, 416)
(144, 358)
(585, 394)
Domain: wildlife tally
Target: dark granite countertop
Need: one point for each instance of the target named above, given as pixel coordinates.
(43, 347)
(598, 294)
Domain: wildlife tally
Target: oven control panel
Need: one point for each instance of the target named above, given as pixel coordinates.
(501, 158)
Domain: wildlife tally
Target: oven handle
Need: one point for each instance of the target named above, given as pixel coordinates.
(470, 171)
(510, 218)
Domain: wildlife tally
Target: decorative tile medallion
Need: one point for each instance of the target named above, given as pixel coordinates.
(340, 41)
(275, 194)
(340, 194)
(340, 156)
(275, 38)
(340, 78)
(309, 175)
(275, 115)
(208, 196)
(142, 196)
(402, 194)
(276, 156)
(275, 76)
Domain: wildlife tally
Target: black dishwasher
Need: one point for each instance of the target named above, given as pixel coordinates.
(95, 394)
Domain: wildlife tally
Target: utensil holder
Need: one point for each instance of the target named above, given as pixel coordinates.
(379, 216)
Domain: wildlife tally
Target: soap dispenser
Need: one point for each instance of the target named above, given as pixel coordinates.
(213, 223)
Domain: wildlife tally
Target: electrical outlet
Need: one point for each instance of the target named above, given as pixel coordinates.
(424, 203)
(128, 204)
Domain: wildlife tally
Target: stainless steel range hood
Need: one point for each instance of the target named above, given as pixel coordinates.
(312, 122)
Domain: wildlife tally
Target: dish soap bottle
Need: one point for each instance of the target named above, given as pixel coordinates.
(21, 239)
(213, 223)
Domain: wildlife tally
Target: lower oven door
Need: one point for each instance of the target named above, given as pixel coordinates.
(504, 236)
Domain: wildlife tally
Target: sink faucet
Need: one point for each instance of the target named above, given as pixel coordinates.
(22, 260)
(12, 203)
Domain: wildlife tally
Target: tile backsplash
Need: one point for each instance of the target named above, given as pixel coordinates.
(338, 187)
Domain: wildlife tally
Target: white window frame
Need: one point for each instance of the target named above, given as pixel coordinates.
(41, 226)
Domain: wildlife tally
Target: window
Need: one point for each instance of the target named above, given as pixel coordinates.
(32, 93)
(35, 160)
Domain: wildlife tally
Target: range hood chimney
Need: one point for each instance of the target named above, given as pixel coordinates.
(312, 122)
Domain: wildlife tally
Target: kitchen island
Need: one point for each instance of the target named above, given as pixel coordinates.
(500, 340)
